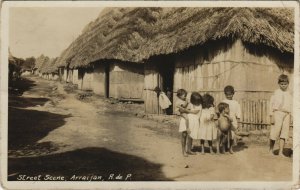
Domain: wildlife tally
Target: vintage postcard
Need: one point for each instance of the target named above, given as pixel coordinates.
(150, 95)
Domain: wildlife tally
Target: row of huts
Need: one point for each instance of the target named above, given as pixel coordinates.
(126, 52)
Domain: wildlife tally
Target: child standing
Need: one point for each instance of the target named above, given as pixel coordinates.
(181, 108)
(234, 107)
(207, 123)
(225, 128)
(194, 118)
(280, 114)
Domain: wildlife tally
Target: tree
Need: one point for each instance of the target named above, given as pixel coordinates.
(28, 64)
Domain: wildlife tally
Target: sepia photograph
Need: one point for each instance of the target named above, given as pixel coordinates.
(109, 94)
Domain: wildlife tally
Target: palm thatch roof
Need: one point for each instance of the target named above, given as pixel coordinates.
(49, 66)
(136, 34)
(41, 62)
(116, 34)
(181, 28)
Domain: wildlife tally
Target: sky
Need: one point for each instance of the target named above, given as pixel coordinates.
(34, 31)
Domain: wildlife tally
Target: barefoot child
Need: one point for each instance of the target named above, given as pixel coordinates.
(194, 120)
(225, 128)
(207, 122)
(235, 109)
(181, 108)
(280, 114)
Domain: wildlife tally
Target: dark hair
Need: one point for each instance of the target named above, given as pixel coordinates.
(222, 106)
(208, 101)
(196, 99)
(157, 89)
(229, 88)
(283, 78)
(181, 92)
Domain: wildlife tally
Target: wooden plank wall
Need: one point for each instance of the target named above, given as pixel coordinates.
(126, 83)
(99, 79)
(152, 80)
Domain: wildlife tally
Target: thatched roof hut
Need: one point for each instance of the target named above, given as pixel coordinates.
(205, 49)
(135, 34)
(40, 62)
(49, 66)
(159, 36)
(181, 28)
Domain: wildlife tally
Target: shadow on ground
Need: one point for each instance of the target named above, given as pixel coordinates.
(18, 87)
(26, 127)
(22, 102)
(240, 146)
(86, 162)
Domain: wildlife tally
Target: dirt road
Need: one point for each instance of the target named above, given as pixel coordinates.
(53, 133)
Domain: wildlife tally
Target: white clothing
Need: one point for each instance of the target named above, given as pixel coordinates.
(208, 128)
(281, 101)
(281, 127)
(164, 101)
(194, 121)
(179, 103)
(235, 111)
(182, 125)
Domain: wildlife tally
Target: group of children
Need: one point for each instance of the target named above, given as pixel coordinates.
(199, 120)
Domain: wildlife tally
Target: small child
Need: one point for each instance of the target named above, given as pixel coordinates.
(181, 107)
(194, 119)
(235, 109)
(207, 123)
(280, 114)
(225, 128)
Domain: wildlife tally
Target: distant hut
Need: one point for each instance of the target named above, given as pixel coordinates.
(40, 62)
(49, 70)
(62, 64)
(205, 49)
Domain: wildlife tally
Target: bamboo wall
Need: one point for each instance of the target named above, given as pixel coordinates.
(209, 69)
(253, 77)
(126, 81)
(99, 79)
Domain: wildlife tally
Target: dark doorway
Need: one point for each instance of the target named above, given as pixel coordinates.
(166, 71)
(81, 72)
(61, 73)
(106, 80)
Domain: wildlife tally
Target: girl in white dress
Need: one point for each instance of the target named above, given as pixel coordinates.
(207, 131)
(182, 110)
(194, 117)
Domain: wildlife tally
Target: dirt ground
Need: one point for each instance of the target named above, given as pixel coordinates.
(58, 131)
